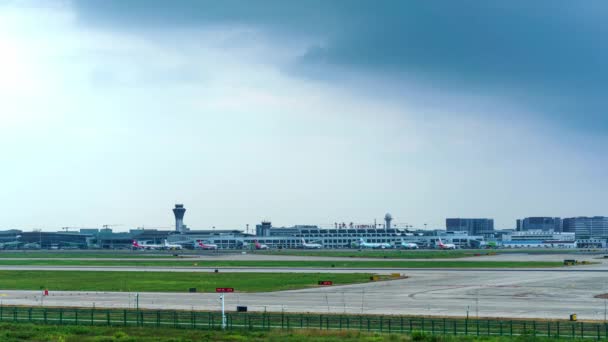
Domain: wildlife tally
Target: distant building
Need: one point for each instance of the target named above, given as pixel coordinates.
(540, 223)
(473, 226)
(587, 227)
(538, 238)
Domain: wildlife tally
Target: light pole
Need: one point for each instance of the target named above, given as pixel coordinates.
(223, 312)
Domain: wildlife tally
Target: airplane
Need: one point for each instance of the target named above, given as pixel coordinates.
(10, 245)
(203, 245)
(32, 245)
(364, 244)
(136, 245)
(446, 245)
(172, 245)
(260, 245)
(311, 245)
(408, 245)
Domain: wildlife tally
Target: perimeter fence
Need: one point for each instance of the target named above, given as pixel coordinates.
(265, 321)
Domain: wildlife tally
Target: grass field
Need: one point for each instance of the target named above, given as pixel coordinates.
(10, 332)
(291, 263)
(167, 281)
(85, 254)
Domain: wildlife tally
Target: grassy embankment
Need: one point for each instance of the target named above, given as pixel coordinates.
(31, 332)
(87, 254)
(290, 263)
(168, 281)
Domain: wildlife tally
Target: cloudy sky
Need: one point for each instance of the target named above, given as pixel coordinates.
(307, 112)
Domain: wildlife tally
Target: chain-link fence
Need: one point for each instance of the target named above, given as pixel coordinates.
(259, 321)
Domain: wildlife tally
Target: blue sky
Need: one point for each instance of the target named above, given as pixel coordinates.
(300, 112)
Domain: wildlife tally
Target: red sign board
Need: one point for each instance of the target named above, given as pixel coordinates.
(325, 282)
(224, 289)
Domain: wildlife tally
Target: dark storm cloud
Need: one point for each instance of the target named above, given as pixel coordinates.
(552, 53)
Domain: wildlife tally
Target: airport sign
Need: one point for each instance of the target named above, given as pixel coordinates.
(224, 289)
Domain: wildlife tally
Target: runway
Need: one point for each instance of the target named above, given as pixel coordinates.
(546, 293)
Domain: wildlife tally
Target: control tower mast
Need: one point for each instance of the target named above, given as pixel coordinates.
(179, 212)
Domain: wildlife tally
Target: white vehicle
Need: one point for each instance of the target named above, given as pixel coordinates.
(364, 244)
(408, 245)
(446, 245)
(311, 245)
(172, 246)
(203, 245)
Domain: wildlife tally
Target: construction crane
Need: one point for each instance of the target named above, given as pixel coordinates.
(107, 226)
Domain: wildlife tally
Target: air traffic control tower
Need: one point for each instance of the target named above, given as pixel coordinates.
(179, 212)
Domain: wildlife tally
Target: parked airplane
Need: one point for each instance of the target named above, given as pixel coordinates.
(203, 245)
(408, 245)
(172, 245)
(311, 245)
(364, 244)
(260, 245)
(136, 245)
(446, 245)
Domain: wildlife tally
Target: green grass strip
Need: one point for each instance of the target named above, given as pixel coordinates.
(292, 263)
(168, 281)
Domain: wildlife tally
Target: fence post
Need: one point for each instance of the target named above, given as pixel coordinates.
(557, 332)
(549, 329)
(157, 318)
(380, 323)
(455, 331)
(321, 322)
(60, 316)
(444, 327)
(92, 310)
(466, 327)
(597, 326)
(500, 327)
(488, 325)
(29, 315)
(582, 330)
(108, 317)
(124, 317)
(76, 316)
(368, 327)
(45, 316)
(1, 311)
(477, 327)
(573, 331)
(389, 325)
(534, 328)
(432, 327)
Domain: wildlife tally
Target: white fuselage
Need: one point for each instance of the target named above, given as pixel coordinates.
(311, 245)
(364, 244)
(409, 245)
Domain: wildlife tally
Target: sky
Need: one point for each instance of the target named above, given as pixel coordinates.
(309, 112)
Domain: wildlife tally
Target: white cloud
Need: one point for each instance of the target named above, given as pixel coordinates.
(109, 125)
